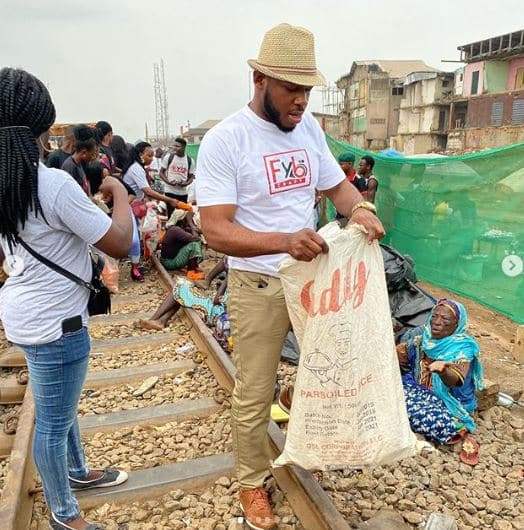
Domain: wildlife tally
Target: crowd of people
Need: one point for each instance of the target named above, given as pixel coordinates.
(238, 203)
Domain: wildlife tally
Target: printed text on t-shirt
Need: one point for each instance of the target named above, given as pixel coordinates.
(178, 169)
(288, 170)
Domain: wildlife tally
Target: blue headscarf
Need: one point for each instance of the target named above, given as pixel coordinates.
(459, 346)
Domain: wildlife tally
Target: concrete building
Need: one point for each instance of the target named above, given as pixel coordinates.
(372, 94)
(490, 110)
(424, 112)
(330, 123)
(194, 135)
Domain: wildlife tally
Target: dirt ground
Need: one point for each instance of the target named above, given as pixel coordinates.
(495, 335)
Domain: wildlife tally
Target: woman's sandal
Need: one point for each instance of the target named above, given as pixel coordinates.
(470, 451)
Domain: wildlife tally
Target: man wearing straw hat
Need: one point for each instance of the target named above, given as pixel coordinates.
(257, 174)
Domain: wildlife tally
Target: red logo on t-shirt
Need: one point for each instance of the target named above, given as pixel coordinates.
(288, 170)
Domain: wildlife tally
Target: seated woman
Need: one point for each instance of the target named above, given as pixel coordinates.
(441, 372)
(185, 294)
(181, 245)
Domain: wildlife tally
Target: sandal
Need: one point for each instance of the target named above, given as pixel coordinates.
(470, 451)
(136, 275)
(196, 275)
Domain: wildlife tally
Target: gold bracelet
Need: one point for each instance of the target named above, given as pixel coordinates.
(366, 205)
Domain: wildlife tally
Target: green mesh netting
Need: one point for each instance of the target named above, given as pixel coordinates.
(458, 217)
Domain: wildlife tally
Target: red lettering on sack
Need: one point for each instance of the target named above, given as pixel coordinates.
(354, 289)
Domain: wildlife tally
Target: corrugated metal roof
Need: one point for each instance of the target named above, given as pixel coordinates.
(207, 124)
(397, 69)
(413, 77)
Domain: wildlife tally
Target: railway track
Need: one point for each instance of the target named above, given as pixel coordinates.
(156, 405)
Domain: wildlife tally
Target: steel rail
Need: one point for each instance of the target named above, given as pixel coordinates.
(16, 503)
(310, 503)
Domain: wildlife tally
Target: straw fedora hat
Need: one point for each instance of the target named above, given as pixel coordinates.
(287, 53)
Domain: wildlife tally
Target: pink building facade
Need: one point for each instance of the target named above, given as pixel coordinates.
(473, 79)
(516, 67)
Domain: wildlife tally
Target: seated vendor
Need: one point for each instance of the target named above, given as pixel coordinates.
(441, 372)
(181, 245)
(185, 294)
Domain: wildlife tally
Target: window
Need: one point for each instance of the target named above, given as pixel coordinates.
(519, 79)
(497, 108)
(397, 91)
(442, 120)
(517, 112)
(445, 83)
(475, 83)
(461, 77)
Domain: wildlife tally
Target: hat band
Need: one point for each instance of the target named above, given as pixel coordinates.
(289, 69)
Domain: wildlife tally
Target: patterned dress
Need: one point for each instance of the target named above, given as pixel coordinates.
(428, 414)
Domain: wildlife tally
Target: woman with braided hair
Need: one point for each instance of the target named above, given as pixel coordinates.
(43, 312)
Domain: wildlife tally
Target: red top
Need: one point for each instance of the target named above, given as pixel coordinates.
(351, 176)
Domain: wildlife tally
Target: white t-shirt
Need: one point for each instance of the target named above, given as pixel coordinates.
(270, 175)
(136, 179)
(177, 174)
(33, 305)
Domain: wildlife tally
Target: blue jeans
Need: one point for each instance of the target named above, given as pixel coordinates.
(56, 372)
(134, 252)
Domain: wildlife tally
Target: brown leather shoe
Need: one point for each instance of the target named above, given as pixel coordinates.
(258, 513)
(286, 398)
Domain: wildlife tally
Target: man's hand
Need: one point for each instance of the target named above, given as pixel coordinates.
(370, 222)
(306, 245)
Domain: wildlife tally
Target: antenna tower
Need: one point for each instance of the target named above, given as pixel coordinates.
(161, 112)
(164, 99)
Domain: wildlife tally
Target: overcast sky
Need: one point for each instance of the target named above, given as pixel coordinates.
(97, 56)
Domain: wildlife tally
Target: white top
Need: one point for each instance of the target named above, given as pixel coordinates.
(177, 174)
(136, 179)
(270, 175)
(33, 305)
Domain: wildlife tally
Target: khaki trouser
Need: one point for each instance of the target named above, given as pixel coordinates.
(259, 323)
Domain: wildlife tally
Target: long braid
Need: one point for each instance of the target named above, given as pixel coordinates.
(26, 111)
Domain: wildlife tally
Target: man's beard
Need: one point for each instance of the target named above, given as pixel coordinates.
(273, 115)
